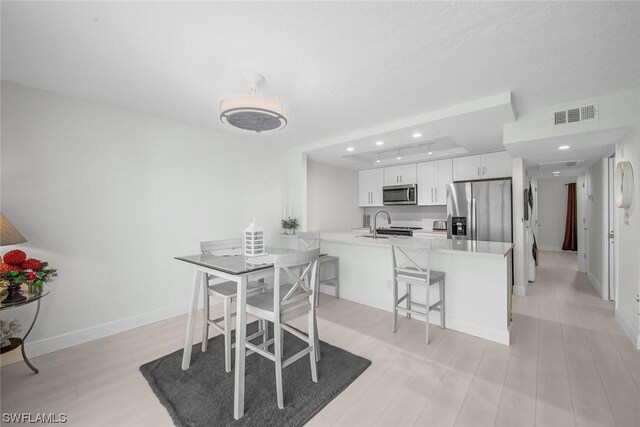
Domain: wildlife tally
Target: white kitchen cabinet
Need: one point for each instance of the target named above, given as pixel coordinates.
(370, 184)
(403, 174)
(496, 165)
(433, 178)
(484, 166)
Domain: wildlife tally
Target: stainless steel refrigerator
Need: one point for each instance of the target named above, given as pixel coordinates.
(480, 210)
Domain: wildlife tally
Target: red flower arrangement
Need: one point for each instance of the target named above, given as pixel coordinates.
(17, 269)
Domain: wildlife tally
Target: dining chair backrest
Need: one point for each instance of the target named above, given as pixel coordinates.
(308, 240)
(420, 249)
(214, 245)
(299, 269)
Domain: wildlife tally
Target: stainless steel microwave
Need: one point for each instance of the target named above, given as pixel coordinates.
(406, 194)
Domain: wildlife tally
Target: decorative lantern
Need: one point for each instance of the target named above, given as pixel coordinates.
(254, 240)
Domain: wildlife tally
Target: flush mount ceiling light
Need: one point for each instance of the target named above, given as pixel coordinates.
(349, 148)
(253, 112)
(563, 147)
(417, 135)
(379, 143)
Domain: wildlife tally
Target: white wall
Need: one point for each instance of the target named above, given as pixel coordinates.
(332, 198)
(110, 196)
(552, 211)
(598, 220)
(628, 242)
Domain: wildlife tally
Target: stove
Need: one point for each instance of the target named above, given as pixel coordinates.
(398, 231)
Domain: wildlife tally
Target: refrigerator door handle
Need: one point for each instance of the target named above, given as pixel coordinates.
(474, 220)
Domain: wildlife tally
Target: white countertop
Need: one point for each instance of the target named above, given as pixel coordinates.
(438, 244)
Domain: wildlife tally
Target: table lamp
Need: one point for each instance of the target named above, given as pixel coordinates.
(9, 235)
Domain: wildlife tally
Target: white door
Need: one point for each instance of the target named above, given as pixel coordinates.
(496, 165)
(467, 168)
(611, 224)
(444, 176)
(426, 183)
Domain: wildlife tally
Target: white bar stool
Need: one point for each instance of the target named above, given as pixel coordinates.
(308, 240)
(284, 302)
(226, 292)
(408, 271)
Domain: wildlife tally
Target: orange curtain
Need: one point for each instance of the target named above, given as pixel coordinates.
(571, 224)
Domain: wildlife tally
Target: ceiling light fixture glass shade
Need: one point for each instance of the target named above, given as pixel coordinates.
(253, 112)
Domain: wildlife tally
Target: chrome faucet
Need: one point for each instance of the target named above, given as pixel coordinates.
(375, 219)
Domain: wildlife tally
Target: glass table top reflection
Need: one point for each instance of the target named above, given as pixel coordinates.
(31, 295)
(233, 261)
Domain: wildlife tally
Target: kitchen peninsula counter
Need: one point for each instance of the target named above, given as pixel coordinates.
(477, 283)
(438, 244)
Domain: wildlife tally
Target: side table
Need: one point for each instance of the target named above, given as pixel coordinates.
(20, 342)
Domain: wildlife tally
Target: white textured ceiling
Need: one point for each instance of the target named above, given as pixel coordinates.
(337, 66)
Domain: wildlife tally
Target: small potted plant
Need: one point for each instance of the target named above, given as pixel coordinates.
(290, 225)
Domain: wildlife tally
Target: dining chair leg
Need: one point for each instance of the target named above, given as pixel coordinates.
(394, 326)
(408, 300)
(227, 334)
(277, 335)
(426, 320)
(316, 346)
(281, 343)
(312, 344)
(442, 304)
(205, 314)
(265, 331)
(338, 280)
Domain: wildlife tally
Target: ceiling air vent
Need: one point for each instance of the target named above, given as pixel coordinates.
(575, 115)
(560, 117)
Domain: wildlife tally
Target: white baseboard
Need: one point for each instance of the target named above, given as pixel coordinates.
(520, 290)
(629, 328)
(595, 282)
(70, 339)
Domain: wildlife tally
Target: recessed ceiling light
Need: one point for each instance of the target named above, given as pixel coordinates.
(380, 143)
(349, 148)
(429, 153)
(378, 161)
(417, 135)
(398, 158)
(556, 173)
(563, 147)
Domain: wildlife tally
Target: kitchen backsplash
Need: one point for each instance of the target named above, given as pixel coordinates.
(409, 216)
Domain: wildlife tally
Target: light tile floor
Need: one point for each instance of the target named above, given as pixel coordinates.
(569, 364)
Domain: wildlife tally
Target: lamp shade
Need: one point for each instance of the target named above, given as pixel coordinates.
(9, 235)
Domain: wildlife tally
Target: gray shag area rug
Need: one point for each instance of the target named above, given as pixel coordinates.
(203, 394)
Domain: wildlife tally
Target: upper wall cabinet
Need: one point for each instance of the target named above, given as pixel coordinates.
(484, 166)
(397, 175)
(433, 178)
(370, 184)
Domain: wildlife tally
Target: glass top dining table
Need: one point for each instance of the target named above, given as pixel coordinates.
(233, 261)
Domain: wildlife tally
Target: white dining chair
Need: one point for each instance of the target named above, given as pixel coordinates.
(292, 296)
(308, 240)
(225, 291)
(411, 260)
